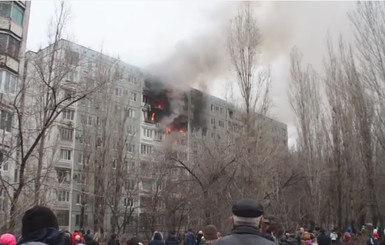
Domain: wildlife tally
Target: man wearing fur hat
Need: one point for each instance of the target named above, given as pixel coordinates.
(39, 227)
(246, 220)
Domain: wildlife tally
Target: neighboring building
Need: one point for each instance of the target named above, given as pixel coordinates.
(105, 143)
(14, 19)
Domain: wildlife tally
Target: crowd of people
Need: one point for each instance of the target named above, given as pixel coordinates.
(40, 227)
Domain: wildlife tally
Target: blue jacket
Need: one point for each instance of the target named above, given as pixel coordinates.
(157, 239)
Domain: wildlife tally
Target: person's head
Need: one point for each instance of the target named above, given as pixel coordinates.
(346, 237)
(88, 232)
(157, 236)
(268, 231)
(38, 218)
(210, 233)
(322, 230)
(301, 230)
(7, 239)
(133, 241)
(77, 238)
(247, 212)
(113, 236)
(219, 235)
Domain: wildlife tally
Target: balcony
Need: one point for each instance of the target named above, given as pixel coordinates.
(9, 25)
(8, 62)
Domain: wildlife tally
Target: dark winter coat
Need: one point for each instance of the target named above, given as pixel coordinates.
(324, 239)
(48, 236)
(243, 235)
(190, 239)
(113, 242)
(157, 240)
(292, 241)
(171, 240)
(269, 237)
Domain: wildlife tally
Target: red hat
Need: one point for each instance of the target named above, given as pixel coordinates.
(375, 235)
(8, 239)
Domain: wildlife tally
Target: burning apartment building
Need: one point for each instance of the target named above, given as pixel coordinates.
(135, 120)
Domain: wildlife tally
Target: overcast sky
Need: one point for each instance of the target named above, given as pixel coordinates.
(143, 33)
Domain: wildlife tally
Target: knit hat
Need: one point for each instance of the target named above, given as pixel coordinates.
(210, 232)
(37, 218)
(8, 239)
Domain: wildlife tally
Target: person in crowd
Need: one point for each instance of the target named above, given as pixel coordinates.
(189, 238)
(7, 239)
(306, 238)
(113, 240)
(372, 239)
(268, 235)
(76, 233)
(97, 236)
(210, 234)
(87, 237)
(334, 237)
(246, 221)
(134, 241)
(347, 239)
(39, 224)
(67, 238)
(78, 240)
(292, 239)
(323, 239)
(157, 239)
(171, 239)
(200, 238)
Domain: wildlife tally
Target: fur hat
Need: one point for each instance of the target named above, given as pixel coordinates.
(37, 218)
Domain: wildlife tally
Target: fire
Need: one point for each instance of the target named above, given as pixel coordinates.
(153, 116)
(181, 131)
(159, 106)
(168, 130)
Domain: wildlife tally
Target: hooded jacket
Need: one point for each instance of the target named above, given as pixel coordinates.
(157, 239)
(49, 236)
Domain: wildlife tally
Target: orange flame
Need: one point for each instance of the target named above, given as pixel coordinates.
(159, 106)
(168, 130)
(181, 131)
(153, 116)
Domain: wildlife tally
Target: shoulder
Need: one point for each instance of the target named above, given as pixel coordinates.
(242, 239)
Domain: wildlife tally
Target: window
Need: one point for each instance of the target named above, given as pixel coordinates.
(66, 134)
(80, 198)
(8, 82)
(147, 132)
(128, 202)
(130, 147)
(3, 200)
(5, 121)
(133, 96)
(63, 175)
(158, 135)
(72, 57)
(213, 121)
(72, 76)
(68, 114)
(221, 110)
(130, 113)
(78, 217)
(129, 185)
(65, 154)
(11, 10)
(62, 217)
(9, 45)
(221, 123)
(212, 107)
(131, 130)
(145, 149)
(63, 196)
(3, 161)
(68, 94)
(118, 92)
(86, 120)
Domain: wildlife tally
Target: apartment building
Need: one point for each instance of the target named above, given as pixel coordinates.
(14, 19)
(101, 150)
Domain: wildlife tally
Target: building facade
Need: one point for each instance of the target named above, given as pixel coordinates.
(115, 123)
(14, 20)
